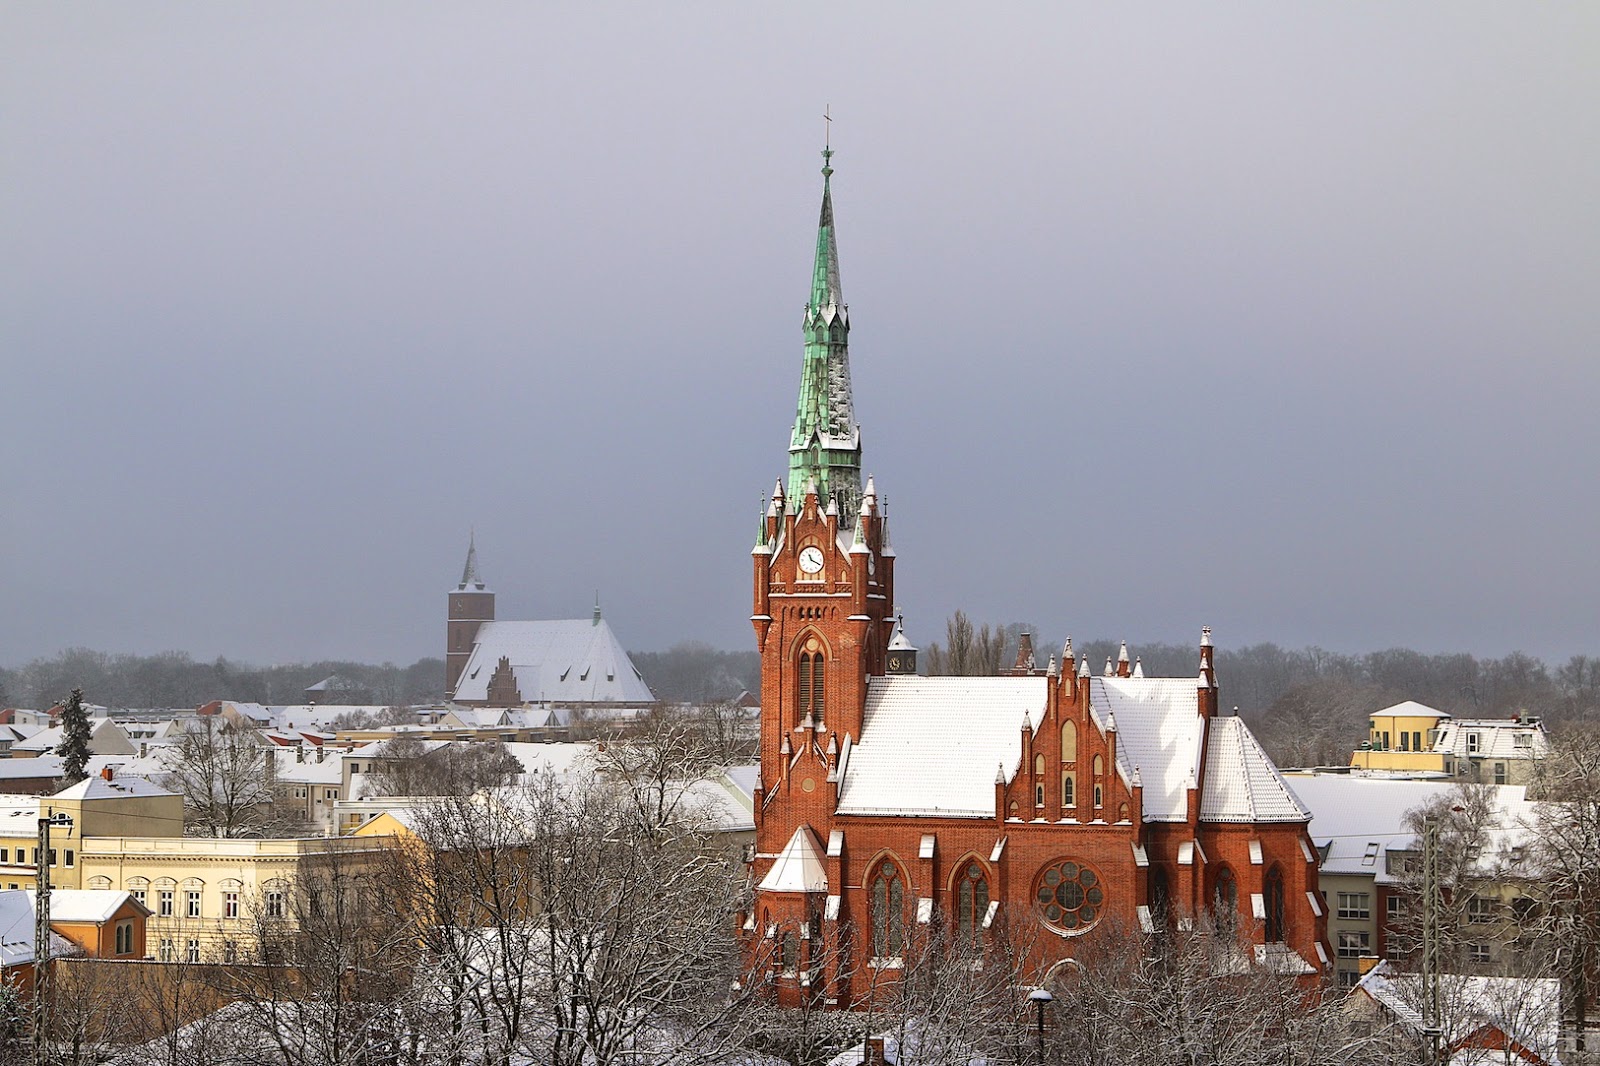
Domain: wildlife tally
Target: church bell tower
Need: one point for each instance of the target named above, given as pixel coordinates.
(471, 605)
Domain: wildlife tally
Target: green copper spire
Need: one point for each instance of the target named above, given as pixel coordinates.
(826, 444)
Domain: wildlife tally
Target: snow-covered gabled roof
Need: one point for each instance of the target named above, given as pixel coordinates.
(1159, 731)
(798, 867)
(577, 660)
(1242, 784)
(16, 929)
(929, 745)
(1410, 709)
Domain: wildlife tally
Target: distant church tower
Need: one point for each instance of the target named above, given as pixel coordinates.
(471, 605)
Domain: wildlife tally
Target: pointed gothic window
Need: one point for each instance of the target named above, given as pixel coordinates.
(1069, 790)
(1275, 905)
(1069, 743)
(888, 901)
(972, 902)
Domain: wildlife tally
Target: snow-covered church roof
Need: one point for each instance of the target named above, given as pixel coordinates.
(565, 661)
(933, 746)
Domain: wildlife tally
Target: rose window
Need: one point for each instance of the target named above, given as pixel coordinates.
(1069, 896)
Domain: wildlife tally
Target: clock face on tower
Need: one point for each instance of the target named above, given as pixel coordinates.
(811, 560)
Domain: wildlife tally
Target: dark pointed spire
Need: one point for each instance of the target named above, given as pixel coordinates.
(469, 573)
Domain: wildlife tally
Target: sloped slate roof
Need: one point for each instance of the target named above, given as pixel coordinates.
(1242, 784)
(798, 867)
(576, 660)
(932, 745)
(1159, 732)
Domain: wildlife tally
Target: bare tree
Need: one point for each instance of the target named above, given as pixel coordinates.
(656, 763)
(1566, 853)
(223, 771)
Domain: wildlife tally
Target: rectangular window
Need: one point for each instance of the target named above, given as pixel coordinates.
(230, 904)
(1479, 952)
(191, 904)
(1481, 908)
(1416, 740)
(1370, 857)
(274, 904)
(1521, 740)
(1349, 978)
(1385, 740)
(1353, 945)
(1472, 743)
(5, 855)
(52, 856)
(165, 954)
(138, 894)
(1405, 741)
(230, 951)
(165, 908)
(191, 951)
(1499, 773)
(1354, 905)
(72, 857)
(330, 794)
(300, 793)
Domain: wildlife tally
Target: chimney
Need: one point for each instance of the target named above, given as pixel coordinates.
(874, 1055)
(107, 772)
(1365, 963)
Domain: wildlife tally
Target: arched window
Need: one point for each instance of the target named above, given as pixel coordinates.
(1069, 742)
(887, 897)
(811, 680)
(1069, 789)
(972, 900)
(1038, 794)
(1275, 907)
(1038, 765)
(1099, 766)
(1225, 901)
(1099, 796)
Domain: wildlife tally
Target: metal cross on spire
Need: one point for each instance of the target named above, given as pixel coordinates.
(827, 141)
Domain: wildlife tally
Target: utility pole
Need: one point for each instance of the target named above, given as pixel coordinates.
(48, 819)
(1431, 905)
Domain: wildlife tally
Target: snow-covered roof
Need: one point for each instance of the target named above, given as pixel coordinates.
(1357, 819)
(576, 660)
(1410, 709)
(1159, 731)
(16, 929)
(37, 766)
(98, 788)
(931, 745)
(95, 905)
(1498, 738)
(1242, 784)
(798, 867)
(1526, 1009)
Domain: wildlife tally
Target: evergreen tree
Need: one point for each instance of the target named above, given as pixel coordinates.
(74, 747)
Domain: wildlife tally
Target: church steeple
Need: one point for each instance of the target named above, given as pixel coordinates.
(826, 444)
(470, 581)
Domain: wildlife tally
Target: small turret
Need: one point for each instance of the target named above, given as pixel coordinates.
(902, 654)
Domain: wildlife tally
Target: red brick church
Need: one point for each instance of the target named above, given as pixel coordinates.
(1064, 803)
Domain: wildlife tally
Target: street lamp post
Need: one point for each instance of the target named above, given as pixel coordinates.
(1041, 998)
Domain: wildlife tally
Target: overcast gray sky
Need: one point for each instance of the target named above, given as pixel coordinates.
(1280, 318)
